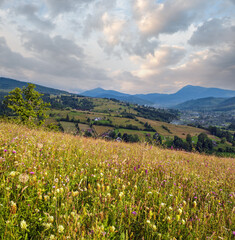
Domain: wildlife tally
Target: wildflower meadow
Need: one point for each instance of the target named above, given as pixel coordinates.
(59, 186)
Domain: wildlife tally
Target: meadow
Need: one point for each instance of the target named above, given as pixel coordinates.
(59, 186)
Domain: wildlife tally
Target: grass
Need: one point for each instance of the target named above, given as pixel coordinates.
(141, 134)
(83, 127)
(176, 130)
(101, 129)
(59, 186)
(69, 127)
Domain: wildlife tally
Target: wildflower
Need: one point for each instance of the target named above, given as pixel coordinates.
(75, 194)
(135, 187)
(40, 145)
(13, 207)
(168, 219)
(194, 204)
(149, 193)
(108, 195)
(148, 221)
(123, 187)
(47, 225)
(23, 225)
(170, 208)
(32, 173)
(112, 229)
(154, 227)
(46, 197)
(60, 229)
(52, 237)
(146, 171)
(51, 219)
(177, 217)
(184, 203)
(23, 178)
(14, 151)
(183, 221)
(134, 212)
(179, 211)
(73, 214)
(162, 205)
(12, 173)
(121, 194)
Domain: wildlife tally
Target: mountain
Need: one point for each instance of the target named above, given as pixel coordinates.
(227, 105)
(185, 94)
(7, 84)
(102, 93)
(163, 100)
(205, 104)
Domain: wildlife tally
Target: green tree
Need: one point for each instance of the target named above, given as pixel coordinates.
(27, 104)
(190, 142)
(204, 144)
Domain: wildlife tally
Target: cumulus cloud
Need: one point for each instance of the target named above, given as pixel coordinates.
(169, 16)
(29, 11)
(12, 60)
(164, 57)
(58, 68)
(214, 31)
(63, 6)
(211, 67)
(61, 56)
(153, 40)
(45, 46)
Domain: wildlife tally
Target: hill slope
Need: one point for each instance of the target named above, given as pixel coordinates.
(101, 93)
(164, 100)
(7, 84)
(57, 185)
(208, 104)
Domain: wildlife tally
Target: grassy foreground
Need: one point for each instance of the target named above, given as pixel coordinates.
(58, 186)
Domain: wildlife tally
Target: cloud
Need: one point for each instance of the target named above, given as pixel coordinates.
(61, 57)
(213, 32)
(13, 60)
(45, 46)
(57, 68)
(168, 17)
(29, 11)
(162, 58)
(64, 6)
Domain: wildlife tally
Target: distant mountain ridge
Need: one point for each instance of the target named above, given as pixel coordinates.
(101, 93)
(163, 100)
(8, 84)
(185, 94)
(208, 104)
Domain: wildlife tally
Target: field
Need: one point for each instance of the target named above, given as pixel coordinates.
(69, 127)
(176, 130)
(59, 186)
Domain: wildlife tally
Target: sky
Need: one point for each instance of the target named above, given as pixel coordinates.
(132, 46)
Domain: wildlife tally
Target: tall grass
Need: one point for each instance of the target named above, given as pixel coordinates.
(58, 186)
